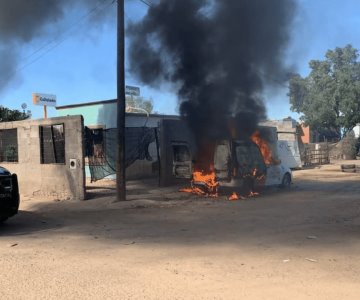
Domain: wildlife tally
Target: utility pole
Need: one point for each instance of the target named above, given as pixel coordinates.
(120, 163)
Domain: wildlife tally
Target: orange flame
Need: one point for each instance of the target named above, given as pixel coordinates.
(253, 194)
(234, 197)
(204, 183)
(208, 179)
(264, 147)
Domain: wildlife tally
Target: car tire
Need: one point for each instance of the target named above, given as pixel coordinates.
(286, 181)
(346, 167)
(349, 170)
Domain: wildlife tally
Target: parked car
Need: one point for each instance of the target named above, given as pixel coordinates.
(9, 194)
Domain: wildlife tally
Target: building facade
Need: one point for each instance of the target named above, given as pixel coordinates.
(47, 155)
(102, 115)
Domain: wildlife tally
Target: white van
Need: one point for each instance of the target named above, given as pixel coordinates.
(236, 161)
(237, 164)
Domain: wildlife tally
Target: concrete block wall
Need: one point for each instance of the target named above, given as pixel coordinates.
(287, 129)
(54, 181)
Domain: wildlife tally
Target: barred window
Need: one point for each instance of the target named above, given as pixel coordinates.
(9, 145)
(52, 144)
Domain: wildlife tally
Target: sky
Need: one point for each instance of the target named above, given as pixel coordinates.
(76, 58)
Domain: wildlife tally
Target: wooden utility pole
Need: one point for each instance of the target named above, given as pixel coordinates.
(120, 163)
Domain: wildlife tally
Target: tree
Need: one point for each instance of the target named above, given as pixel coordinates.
(8, 115)
(329, 97)
(138, 104)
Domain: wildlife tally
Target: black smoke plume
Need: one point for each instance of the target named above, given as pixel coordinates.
(219, 54)
(22, 21)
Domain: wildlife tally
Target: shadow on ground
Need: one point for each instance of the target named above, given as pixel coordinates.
(328, 210)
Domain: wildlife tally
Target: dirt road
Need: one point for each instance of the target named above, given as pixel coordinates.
(302, 243)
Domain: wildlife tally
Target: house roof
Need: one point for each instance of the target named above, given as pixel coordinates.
(113, 101)
(86, 104)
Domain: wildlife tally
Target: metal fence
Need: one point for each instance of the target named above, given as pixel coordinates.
(101, 146)
(316, 156)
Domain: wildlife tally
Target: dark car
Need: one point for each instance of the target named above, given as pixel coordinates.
(9, 194)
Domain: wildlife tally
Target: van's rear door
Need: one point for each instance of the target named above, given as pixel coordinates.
(222, 160)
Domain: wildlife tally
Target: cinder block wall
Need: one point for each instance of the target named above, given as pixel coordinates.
(54, 181)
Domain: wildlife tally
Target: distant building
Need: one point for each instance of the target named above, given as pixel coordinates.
(289, 140)
(305, 134)
(104, 113)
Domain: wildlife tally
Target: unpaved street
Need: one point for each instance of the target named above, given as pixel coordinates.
(302, 243)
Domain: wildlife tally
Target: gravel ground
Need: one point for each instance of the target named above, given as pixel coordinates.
(301, 243)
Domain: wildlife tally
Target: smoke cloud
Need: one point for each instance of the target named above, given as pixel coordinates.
(219, 54)
(22, 21)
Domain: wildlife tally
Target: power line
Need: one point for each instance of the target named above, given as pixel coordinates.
(146, 2)
(90, 12)
(58, 41)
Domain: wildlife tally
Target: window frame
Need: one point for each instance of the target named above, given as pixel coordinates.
(2, 151)
(41, 138)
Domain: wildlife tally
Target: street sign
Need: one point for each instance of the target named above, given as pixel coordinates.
(132, 90)
(44, 99)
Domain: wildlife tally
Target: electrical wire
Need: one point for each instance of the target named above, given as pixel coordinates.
(146, 2)
(90, 12)
(57, 41)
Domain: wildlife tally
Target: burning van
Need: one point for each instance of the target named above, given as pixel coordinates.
(237, 164)
(241, 163)
(239, 167)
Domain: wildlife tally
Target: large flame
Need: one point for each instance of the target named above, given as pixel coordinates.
(204, 180)
(204, 183)
(264, 148)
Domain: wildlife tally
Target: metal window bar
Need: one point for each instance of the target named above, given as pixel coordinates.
(52, 143)
(9, 145)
